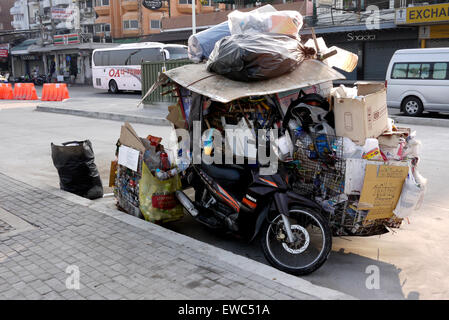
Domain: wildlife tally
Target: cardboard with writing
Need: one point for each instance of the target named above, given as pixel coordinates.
(381, 190)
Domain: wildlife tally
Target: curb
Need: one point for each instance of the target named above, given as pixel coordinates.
(421, 121)
(105, 115)
(260, 269)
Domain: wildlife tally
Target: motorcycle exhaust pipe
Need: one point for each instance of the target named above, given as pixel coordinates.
(186, 203)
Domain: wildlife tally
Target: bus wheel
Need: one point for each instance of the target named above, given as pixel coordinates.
(113, 88)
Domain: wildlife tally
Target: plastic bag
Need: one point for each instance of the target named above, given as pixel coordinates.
(202, 43)
(253, 57)
(411, 195)
(78, 174)
(281, 22)
(158, 202)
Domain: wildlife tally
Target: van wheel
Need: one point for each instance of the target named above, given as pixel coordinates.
(412, 106)
(113, 87)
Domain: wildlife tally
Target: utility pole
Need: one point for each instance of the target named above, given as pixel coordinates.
(28, 15)
(52, 32)
(193, 16)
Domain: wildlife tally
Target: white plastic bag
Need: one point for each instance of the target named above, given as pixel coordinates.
(287, 22)
(411, 196)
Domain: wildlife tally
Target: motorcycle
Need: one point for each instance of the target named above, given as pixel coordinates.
(295, 237)
(40, 79)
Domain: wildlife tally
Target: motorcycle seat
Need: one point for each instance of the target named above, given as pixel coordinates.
(222, 173)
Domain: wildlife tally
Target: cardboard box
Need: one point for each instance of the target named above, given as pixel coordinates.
(382, 188)
(365, 116)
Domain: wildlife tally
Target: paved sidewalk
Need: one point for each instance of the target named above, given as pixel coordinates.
(109, 108)
(121, 257)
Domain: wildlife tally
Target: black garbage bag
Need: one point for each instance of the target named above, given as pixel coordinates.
(77, 171)
(252, 57)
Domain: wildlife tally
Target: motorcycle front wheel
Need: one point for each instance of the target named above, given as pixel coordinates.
(312, 245)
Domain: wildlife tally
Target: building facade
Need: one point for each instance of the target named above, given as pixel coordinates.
(371, 29)
(5, 16)
(135, 18)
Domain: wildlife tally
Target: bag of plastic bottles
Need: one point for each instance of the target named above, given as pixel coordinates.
(158, 202)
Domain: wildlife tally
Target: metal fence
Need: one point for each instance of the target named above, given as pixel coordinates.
(150, 73)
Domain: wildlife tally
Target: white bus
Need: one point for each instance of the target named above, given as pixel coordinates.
(119, 68)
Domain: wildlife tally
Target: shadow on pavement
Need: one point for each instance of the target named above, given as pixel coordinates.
(345, 272)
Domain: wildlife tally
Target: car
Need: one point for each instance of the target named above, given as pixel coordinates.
(418, 80)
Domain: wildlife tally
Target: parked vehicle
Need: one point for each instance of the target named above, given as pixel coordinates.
(418, 79)
(40, 79)
(295, 237)
(119, 68)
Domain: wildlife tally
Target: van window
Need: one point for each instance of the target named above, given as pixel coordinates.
(425, 70)
(399, 70)
(414, 70)
(428, 70)
(439, 70)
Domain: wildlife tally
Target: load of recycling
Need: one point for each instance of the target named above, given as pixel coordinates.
(255, 72)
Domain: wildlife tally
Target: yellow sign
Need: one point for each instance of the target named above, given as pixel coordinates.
(423, 14)
(434, 31)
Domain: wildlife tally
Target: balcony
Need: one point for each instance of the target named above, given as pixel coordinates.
(17, 10)
(18, 25)
(130, 5)
(61, 2)
(187, 8)
(102, 10)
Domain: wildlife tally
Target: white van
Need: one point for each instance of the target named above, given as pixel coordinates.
(418, 80)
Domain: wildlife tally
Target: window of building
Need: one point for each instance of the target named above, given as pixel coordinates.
(155, 24)
(185, 1)
(130, 24)
(100, 3)
(105, 27)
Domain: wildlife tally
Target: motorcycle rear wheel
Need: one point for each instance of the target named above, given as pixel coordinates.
(308, 252)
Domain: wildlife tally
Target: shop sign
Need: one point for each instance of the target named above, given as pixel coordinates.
(62, 39)
(29, 57)
(152, 4)
(4, 50)
(360, 37)
(423, 14)
(61, 13)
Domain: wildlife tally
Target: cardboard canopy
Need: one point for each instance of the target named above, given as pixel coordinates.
(196, 78)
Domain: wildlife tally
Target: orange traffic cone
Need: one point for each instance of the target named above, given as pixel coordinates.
(2, 90)
(54, 92)
(31, 93)
(65, 92)
(7, 92)
(17, 89)
(45, 91)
